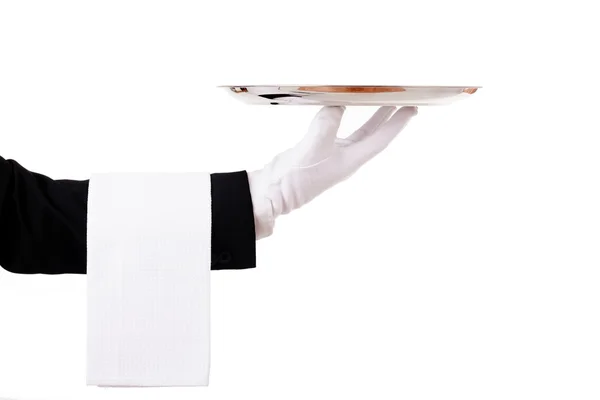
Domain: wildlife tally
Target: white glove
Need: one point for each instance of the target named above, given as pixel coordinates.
(319, 161)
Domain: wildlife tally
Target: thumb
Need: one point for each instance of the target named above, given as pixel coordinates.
(324, 127)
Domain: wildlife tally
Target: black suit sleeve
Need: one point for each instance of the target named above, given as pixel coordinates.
(43, 222)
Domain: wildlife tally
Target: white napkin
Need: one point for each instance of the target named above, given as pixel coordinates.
(148, 276)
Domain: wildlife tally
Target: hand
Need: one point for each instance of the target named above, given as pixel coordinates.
(320, 161)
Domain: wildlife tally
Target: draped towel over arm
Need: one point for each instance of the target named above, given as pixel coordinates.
(148, 274)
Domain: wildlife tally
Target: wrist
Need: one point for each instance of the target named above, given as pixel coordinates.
(264, 216)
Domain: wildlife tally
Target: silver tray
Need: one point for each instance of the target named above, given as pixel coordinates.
(350, 95)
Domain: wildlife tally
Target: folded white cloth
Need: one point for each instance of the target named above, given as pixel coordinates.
(148, 275)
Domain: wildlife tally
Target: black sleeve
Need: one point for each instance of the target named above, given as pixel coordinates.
(43, 222)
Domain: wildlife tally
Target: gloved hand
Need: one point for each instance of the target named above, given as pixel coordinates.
(320, 161)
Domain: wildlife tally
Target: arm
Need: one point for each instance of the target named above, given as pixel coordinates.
(43, 222)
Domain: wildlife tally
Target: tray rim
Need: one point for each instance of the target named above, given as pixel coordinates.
(339, 85)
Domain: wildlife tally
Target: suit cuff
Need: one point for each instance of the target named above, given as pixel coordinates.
(233, 231)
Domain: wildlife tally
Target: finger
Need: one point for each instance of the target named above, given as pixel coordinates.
(372, 124)
(367, 148)
(324, 126)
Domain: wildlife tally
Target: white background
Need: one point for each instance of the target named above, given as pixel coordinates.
(462, 263)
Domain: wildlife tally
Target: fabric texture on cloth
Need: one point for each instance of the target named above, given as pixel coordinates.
(148, 276)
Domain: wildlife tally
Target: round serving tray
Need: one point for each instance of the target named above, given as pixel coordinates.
(349, 95)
